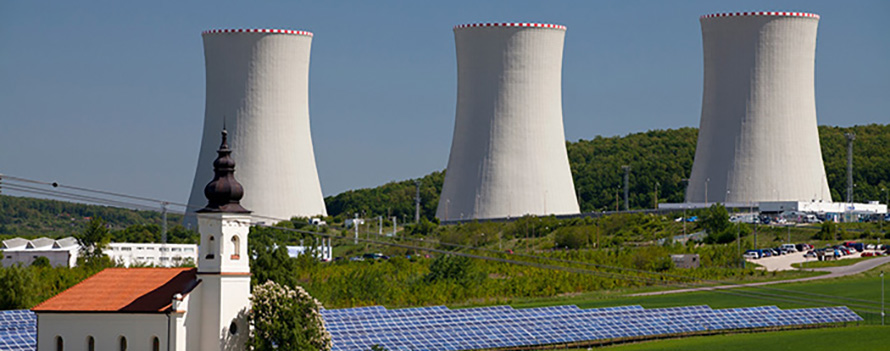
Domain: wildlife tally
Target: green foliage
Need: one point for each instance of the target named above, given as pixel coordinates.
(23, 287)
(395, 199)
(269, 258)
(827, 231)
(41, 261)
(658, 156)
(571, 237)
(92, 240)
(285, 318)
(715, 219)
(453, 268)
(17, 288)
(30, 217)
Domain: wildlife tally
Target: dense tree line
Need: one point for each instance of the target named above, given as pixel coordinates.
(658, 158)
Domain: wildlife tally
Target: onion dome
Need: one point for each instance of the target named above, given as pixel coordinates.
(223, 193)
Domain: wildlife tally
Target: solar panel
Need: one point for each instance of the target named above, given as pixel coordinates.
(18, 330)
(440, 328)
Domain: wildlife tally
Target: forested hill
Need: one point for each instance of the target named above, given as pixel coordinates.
(29, 217)
(662, 156)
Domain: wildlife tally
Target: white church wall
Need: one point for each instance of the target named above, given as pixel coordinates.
(106, 329)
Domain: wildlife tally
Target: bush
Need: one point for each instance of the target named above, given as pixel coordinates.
(571, 238)
(286, 318)
(454, 268)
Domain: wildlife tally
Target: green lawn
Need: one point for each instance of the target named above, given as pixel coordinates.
(833, 263)
(849, 291)
(824, 339)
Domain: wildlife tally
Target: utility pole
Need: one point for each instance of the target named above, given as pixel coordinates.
(395, 226)
(626, 169)
(707, 180)
(417, 201)
(163, 222)
(656, 197)
(380, 225)
(355, 225)
(882, 297)
(850, 138)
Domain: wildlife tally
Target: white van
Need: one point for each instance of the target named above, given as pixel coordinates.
(788, 247)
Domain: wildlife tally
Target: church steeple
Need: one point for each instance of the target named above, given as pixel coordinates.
(224, 192)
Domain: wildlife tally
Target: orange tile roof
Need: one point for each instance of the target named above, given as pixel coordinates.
(131, 290)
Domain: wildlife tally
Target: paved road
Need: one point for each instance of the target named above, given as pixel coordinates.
(834, 272)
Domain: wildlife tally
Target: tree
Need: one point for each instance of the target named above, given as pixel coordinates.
(18, 288)
(284, 317)
(269, 258)
(92, 241)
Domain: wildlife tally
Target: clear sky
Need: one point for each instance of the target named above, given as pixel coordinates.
(110, 94)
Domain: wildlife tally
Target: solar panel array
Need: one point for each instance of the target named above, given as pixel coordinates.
(18, 330)
(440, 328)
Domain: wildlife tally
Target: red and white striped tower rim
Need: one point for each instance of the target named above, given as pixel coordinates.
(258, 30)
(512, 24)
(763, 13)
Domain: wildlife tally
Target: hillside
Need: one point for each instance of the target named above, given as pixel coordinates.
(662, 156)
(29, 217)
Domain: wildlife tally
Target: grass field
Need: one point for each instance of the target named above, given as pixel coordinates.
(834, 263)
(825, 339)
(861, 292)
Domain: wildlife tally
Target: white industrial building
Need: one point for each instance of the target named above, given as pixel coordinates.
(258, 88)
(152, 254)
(758, 138)
(508, 156)
(60, 252)
(203, 308)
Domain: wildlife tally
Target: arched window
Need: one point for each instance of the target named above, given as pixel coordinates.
(210, 249)
(155, 344)
(91, 343)
(60, 344)
(236, 248)
(123, 341)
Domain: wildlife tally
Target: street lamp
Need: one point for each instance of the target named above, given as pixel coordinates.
(882, 297)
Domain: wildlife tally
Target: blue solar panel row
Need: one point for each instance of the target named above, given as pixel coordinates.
(440, 328)
(18, 330)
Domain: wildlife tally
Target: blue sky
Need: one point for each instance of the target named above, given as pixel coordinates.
(110, 94)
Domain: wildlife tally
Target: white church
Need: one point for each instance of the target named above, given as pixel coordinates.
(170, 309)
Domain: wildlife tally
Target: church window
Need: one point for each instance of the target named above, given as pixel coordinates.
(155, 344)
(123, 341)
(60, 344)
(236, 246)
(210, 249)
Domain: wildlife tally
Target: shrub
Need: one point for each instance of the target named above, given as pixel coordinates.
(286, 318)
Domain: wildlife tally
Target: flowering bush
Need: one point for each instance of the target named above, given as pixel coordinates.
(286, 319)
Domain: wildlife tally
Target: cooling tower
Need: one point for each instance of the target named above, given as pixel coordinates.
(258, 85)
(508, 155)
(758, 139)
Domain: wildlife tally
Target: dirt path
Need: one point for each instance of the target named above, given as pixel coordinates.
(833, 272)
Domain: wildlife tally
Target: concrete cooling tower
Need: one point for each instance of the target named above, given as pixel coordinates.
(758, 139)
(258, 86)
(508, 155)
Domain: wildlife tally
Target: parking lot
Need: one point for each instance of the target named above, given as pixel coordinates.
(784, 262)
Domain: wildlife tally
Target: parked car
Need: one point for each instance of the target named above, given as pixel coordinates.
(789, 247)
(751, 255)
(810, 253)
(867, 254)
